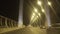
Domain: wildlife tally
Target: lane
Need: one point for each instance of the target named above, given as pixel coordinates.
(28, 30)
(20, 31)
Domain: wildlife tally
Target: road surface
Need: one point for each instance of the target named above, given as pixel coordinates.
(27, 30)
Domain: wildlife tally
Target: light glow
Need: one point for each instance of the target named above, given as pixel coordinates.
(49, 3)
(39, 14)
(35, 9)
(39, 3)
(33, 16)
(42, 10)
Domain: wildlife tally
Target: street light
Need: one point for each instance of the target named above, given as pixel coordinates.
(35, 9)
(39, 14)
(39, 3)
(42, 10)
(49, 3)
(33, 16)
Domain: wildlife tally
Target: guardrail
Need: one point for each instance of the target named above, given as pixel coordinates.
(7, 22)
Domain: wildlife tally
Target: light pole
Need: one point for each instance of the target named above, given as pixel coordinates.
(20, 18)
(47, 13)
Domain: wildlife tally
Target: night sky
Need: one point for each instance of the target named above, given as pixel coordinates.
(9, 8)
(55, 18)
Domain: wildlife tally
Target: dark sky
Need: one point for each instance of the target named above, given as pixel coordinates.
(9, 8)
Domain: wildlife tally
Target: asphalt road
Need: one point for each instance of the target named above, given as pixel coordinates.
(26, 30)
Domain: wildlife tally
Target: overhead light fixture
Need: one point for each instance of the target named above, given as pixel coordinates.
(42, 10)
(35, 9)
(39, 3)
(49, 3)
(34, 14)
(39, 14)
(32, 17)
(35, 18)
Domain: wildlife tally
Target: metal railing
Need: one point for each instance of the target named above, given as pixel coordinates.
(7, 22)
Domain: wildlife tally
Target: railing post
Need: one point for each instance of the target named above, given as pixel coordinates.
(9, 23)
(6, 22)
(12, 23)
(0, 21)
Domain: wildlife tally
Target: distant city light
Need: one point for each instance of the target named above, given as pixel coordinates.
(39, 3)
(49, 3)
